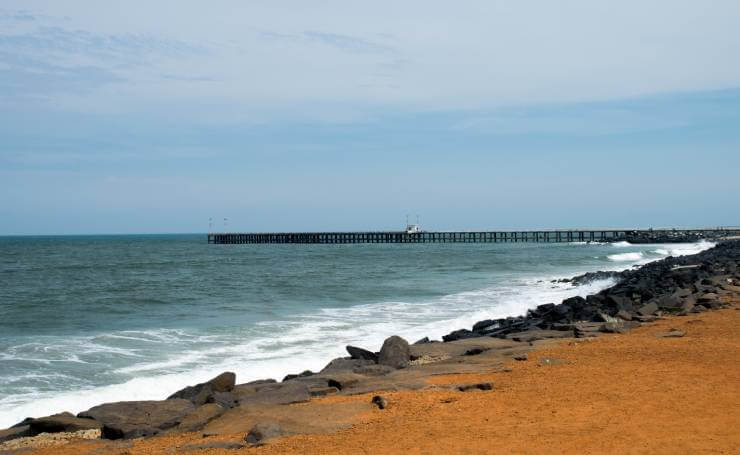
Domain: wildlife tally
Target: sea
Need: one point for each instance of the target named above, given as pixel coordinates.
(92, 319)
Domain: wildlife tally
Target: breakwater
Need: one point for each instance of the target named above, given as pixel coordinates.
(545, 236)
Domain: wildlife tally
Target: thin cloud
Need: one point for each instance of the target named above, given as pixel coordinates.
(348, 43)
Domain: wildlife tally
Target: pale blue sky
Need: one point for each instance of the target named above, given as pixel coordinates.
(333, 115)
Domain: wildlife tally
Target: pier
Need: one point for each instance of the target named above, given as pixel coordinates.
(544, 236)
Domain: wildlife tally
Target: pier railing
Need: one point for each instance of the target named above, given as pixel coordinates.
(545, 236)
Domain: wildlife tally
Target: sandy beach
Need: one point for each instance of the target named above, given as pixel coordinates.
(634, 393)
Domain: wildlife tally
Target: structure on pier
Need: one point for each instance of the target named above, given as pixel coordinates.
(418, 236)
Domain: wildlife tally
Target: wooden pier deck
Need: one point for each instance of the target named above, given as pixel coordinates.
(545, 236)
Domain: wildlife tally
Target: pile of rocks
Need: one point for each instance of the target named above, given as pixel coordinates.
(675, 285)
(193, 407)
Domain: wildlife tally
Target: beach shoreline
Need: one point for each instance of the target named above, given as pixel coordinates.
(465, 359)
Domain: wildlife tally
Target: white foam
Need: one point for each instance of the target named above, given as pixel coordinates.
(683, 249)
(622, 244)
(622, 257)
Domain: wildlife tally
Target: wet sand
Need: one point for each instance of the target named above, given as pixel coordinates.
(633, 393)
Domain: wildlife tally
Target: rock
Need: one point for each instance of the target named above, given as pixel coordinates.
(707, 297)
(272, 394)
(15, 432)
(133, 419)
(619, 303)
(624, 315)
(25, 422)
(586, 329)
(264, 381)
(373, 370)
(395, 352)
(226, 400)
(343, 365)
(475, 351)
(521, 357)
(612, 327)
(673, 333)
(529, 336)
(200, 394)
(648, 309)
(199, 418)
(682, 293)
(362, 354)
(304, 374)
(669, 302)
(459, 335)
(483, 325)
(63, 423)
(380, 402)
(424, 340)
(479, 386)
(261, 433)
(322, 391)
(223, 445)
(224, 382)
(343, 381)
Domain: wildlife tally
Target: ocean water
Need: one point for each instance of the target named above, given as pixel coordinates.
(91, 319)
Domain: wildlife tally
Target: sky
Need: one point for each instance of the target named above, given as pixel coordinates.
(156, 117)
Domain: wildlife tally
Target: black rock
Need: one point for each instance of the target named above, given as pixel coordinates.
(479, 386)
(648, 309)
(380, 402)
(475, 351)
(362, 354)
(459, 335)
(483, 325)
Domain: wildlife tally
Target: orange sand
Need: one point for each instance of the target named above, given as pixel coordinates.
(634, 393)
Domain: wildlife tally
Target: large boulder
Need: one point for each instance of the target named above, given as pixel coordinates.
(272, 394)
(62, 423)
(202, 393)
(134, 419)
(343, 365)
(395, 352)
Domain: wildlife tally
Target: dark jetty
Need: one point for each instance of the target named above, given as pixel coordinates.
(677, 285)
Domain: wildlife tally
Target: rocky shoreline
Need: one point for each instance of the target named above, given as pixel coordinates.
(673, 286)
